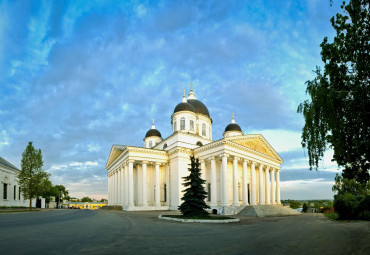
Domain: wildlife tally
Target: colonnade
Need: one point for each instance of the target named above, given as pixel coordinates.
(121, 184)
(266, 189)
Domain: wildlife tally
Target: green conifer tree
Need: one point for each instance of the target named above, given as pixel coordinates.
(194, 204)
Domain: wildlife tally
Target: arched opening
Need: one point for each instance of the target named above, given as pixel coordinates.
(150, 144)
(174, 125)
(165, 146)
(182, 123)
(204, 129)
(199, 143)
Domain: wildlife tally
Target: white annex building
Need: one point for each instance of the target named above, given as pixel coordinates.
(10, 194)
(239, 169)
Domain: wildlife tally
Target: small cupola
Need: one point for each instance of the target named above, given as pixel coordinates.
(232, 129)
(184, 106)
(152, 137)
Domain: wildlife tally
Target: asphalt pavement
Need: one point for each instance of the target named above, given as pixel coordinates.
(118, 232)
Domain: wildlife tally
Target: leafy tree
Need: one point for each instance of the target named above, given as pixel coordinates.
(32, 179)
(86, 199)
(62, 193)
(294, 204)
(304, 207)
(194, 204)
(338, 113)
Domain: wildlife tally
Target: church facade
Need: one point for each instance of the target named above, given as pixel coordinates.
(239, 169)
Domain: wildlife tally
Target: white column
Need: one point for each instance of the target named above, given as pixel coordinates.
(126, 185)
(224, 195)
(278, 187)
(203, 170)
(115, 187)
(267, 186)
(144, 191)
(116, 192)
(272, 187)
(109, 187)
(167, 184)
(260, 184)
(245, 183)
(122, 184)
(131, 183)
(235, 183)
(253, 184)
(119, 186)
(157, 185)
(213, 182)
(203, 173)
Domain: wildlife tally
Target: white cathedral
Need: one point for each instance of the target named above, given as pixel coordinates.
(239, 169)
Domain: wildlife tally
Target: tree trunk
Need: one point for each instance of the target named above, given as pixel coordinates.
(30, 208)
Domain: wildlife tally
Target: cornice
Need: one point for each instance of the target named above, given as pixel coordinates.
(181, 150)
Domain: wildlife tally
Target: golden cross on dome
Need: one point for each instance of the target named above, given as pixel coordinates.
(191, 86)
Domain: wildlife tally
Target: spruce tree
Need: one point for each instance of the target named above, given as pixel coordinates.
(194, 204)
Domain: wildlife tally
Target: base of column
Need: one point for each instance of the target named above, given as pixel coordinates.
(245, 203)
(273, 203)
(268, 203)
(213, 204)
(236, 204)
(157, 204)
(224, 204)
(253, 203)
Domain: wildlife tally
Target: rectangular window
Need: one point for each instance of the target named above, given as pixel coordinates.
(192, 125)
(19, 193)
(15, 193)
(174, 125)
(204, 129)
(5, 193)
(182, 123)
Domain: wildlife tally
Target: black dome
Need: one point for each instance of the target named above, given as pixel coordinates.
(233, 127)
(199, 107)
(184, 107)
(153, 132)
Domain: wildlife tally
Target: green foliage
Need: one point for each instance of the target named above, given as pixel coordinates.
(32, 179)
(294, 204)
(194, 204)
(338, 113)
(86, 199)
(352, 200)
(333, 216)
(304, 207)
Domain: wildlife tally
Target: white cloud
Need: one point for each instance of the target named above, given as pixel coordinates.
(281, 140)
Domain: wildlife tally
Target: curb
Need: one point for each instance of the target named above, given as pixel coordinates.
(199, 221)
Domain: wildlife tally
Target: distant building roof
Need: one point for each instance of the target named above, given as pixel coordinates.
(7, 164)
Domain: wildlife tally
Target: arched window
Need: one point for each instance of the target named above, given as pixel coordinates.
(192, 125)
(174, 125)
(182, 123)
(150, 144)
(204, 129)
(165, 146)
(199, 143)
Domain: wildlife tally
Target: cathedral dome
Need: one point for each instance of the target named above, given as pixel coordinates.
(199, 107)
(233, 127)
(153, 132)
(184, 106)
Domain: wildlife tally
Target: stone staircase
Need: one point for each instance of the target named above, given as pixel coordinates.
(267, 210)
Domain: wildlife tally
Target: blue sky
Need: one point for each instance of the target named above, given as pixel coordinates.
(79, 76)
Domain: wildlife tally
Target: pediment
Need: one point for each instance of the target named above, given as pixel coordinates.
(114, 153)
(257, 143)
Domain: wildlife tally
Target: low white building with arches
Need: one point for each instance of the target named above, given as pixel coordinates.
(10, 195)
(239, 169)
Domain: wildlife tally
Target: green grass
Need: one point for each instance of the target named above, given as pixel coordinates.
(215, 217)
(15, 211)
(333, 216)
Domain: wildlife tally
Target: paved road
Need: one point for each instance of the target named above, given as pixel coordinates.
(107, 232)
